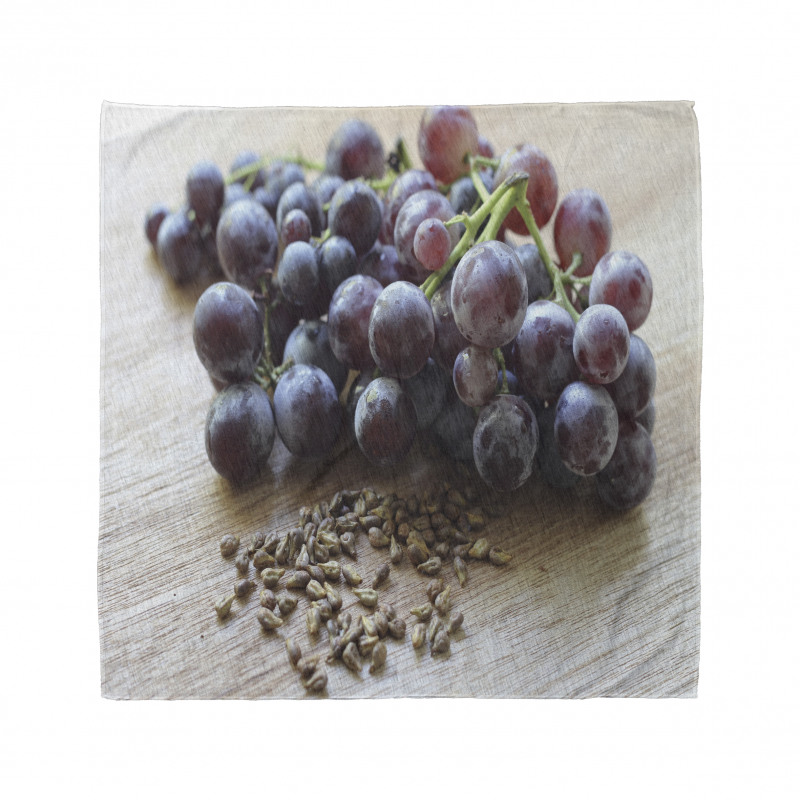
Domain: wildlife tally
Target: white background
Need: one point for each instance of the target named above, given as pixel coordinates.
(61, 60)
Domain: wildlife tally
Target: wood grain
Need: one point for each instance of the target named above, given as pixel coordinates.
(594, 603)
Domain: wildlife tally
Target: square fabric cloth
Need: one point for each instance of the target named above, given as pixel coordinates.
(592, 603)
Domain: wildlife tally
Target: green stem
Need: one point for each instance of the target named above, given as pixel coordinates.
(480, 186)
(402, 152)
(577, 259)
(306, 164)
(499, 358)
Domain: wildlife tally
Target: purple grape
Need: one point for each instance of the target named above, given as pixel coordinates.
(475, 376)
(540, 286)
(247, 242)
(295, 227)
(283, 317)
(309, 343)
(489, 294)
(179, 247)
(409, 182)
(279, 176)
(504, 442)
(542, 191)
(307, 411)
(385, 422)
(228, 332)
(355, 151)
(621, 280)
(356, 213)
(235, 192)
(551, 467)
(348, 321)
(449, 340)
(205, 192)
(447, 135)
(401, 332)
(629, 476)
(601, 344)
(582, 225)
(428, 392)
(463, 195)
(298, 273)
(337, 262)
(635, 387)
(432, 244)
(240, 432)
(381, 263)
(647, 419)
(152, 222)
(299, 196)
(244, 159)
(324, 187)
(585, 427)
(543, 351)
(453, 429)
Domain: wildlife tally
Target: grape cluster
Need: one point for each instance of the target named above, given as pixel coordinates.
(385, 302)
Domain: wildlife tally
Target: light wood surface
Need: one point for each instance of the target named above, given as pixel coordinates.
(594, 603)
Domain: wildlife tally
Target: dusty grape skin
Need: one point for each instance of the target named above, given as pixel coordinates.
(179, 248)
(504, 442)
(543, 350)
(385, 422)
(627, 479)
(356, 213)
(548, 459)
(601, 344)
(582, 225)
(337, 262)
(428, 392)
(307, 411)
(152, 222)
(298, 273)
(540, 286)
(309, 343)
(401, 332)
(489, 294)
(355, 151)
(295, 227)
(228, 332)
(621, 280)
(240, 432)
(635, 387)
(245, 159)
(432, 244)
(475, 376)
(420, 206)
(447, 134)
(205, 192)
(542, 191)
(298, 196)
(247, 242)
(449, 340)
(348, 321)
(585, 427)
(453, 429)
(406, 184)
(381, 263)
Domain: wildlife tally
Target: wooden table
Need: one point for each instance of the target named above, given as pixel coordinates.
(594, 603)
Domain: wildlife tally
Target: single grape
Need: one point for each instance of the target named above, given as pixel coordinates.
(629, 476)
(449, 340)
(635, 387)
(355, 151)
(432, 244)
(179, 248)
(621, 280)
(543, 351)
(585, 427)
(152, 222)
(299, 196)
(542, 191)
(553, 470)
(404, 185)
(298, 273)
(382, 263)
(385, 422)
(247, 242)
(356, 213)
(228, 332)
(647, 419)
(601, 344)
(475, 376)
(337, 261)
(428, 392)
(295, 227)
(427, 204)
(348, 321)
(240, 432)
(582, 225)
(453, 429)
(401, 331)
(504, 442)
(540, 286)
(205, 192)
(489, 294)
(247, 158)
(447, 135)
(309, 343)
(307, 411)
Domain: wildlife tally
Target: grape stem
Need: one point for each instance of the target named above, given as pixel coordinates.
(266, 374)
(501, 362)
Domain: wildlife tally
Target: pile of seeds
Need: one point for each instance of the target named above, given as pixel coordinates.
(315, 561)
